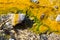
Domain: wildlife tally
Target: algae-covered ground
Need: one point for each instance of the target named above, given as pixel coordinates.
(45, 14)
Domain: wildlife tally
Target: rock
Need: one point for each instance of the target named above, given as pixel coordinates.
(11, 39)
(27, 35)
(53, 36)
(43, 37)
(34, 1)
(58, 18)
(42, 16)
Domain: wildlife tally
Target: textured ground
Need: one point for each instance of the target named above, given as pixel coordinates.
(45, 13)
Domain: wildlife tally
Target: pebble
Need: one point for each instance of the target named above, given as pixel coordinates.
(58, 18)
(11, 39)
(42, 16)
(34, 1)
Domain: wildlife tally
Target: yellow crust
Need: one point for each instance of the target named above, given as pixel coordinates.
(15, 20)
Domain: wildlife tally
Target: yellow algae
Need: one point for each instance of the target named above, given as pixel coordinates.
(43, 29)
(16, 16)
